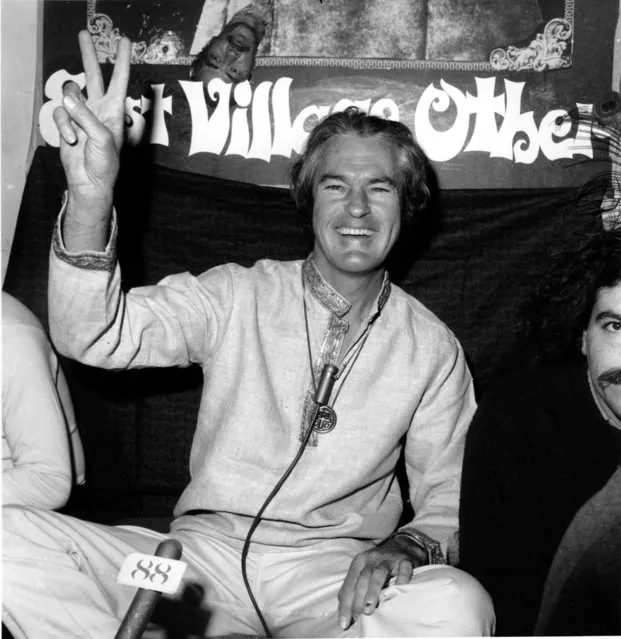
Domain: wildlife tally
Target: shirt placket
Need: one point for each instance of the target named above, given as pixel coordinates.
(331, 345)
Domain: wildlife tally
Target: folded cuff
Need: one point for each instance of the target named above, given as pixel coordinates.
(90, 260)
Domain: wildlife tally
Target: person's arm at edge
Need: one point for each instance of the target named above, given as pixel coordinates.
(33, 423)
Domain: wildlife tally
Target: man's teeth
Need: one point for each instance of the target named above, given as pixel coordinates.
(346, 231)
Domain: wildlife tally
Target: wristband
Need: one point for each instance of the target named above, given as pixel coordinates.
(429, 545)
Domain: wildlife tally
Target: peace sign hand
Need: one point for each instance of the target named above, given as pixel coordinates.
(91, 132)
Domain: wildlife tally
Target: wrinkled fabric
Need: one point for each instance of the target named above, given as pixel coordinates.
(59, 580)
(42, 455)
(246, 328)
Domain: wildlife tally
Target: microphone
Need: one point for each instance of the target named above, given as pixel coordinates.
(141, 608)
(326, 382)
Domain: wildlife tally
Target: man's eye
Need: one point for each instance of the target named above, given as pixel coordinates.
(614, 325)
(381, 189)
(334, 187)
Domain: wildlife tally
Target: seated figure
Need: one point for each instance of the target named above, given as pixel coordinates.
(540, 488)
(318, 374)
(42, 452)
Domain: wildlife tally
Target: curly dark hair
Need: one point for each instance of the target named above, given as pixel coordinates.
(560, 309)
(413, 178)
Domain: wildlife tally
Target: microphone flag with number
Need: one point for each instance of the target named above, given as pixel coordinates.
(153, 575)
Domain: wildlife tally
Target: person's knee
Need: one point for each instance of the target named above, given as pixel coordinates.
(439, 601)
(470, 608)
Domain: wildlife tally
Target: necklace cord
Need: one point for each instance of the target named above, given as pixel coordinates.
(310, 355)
(348, 368)
(335, 372)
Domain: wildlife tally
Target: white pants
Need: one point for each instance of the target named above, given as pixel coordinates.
(59, 580)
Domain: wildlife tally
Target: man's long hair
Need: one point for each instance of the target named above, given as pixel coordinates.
(561, 307)
(414, 171)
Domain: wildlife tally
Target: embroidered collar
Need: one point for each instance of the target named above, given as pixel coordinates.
(604, 409)
(333, 301)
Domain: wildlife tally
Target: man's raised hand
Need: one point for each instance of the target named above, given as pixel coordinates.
(91, 128)
(91, 137)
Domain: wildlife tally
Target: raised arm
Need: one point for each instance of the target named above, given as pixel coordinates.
(91, 318)
(91, 137)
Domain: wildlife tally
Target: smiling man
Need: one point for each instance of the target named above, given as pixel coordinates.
(601, 344)
(541, 488)
(318, 375)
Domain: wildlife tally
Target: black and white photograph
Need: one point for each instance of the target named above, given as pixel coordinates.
(310, 318)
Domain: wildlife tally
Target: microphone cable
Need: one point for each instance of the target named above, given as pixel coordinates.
(321, 396)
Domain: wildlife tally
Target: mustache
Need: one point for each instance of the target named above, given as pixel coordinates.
(612, 376)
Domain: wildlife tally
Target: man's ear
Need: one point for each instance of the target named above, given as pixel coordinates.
(583, 345)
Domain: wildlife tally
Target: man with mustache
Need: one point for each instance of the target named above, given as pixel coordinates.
(540, 491)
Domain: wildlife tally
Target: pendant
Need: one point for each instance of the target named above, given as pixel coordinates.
(325, 420)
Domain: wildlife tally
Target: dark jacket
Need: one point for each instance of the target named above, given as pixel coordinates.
(537, 450)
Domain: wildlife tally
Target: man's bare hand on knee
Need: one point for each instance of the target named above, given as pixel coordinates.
(371, 570)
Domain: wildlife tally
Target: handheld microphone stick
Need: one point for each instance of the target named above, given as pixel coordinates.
(141, 608)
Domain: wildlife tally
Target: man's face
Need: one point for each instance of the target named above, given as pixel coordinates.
(601, 343)
(230, 55)
(357, 212)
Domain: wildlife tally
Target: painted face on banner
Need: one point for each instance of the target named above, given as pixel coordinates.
(601, 343)
(357, 212)
(230, 55)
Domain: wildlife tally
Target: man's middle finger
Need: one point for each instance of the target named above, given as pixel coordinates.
(92, 70)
